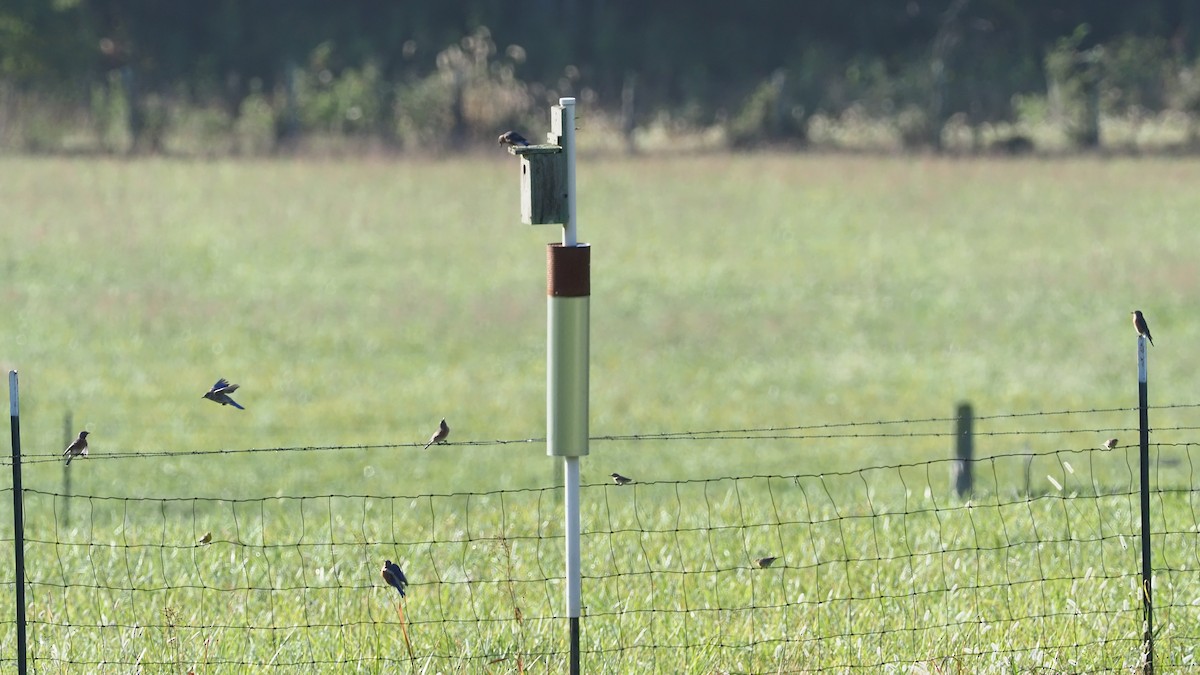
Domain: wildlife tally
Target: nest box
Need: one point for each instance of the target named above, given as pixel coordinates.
(544, 176)
(543, 184)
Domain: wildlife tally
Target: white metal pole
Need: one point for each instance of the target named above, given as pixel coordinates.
(568, 277)
(570, 230)
(571, 481)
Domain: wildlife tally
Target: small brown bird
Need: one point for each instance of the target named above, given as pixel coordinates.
(620, 480)
(1110, 444)
(440, 435)
(77, 448)
(764, 563)
(512, 138)
(206, 539)
(1139, 324)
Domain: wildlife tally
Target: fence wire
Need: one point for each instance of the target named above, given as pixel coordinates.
(867, 570)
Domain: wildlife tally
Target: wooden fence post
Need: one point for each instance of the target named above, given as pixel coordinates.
(961, 475)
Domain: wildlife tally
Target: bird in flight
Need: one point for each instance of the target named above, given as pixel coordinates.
(620, 480)
(77, 448)
(440, 435)
(1110, 444)
(764, 563)
(1139, 324)
(394, 576)
(512, 138)
(220, 393)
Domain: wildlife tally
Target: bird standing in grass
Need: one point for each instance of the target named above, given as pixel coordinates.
(512, 138)
(394, 576)
(220, 393)
(77, 448)
(1110, 444)
(621, 480)
(440, 435)
(1139, 324)
(764, 563)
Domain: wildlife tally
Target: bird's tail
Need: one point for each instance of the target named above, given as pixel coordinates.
(235, 404)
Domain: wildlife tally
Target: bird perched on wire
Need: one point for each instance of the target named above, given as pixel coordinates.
(220, 393)
(206, 539)
(1110, 444)
(1139, 324)
(394, 576)
(512, 138)
(620, 480)
(440, 435)
(764, 563)
(77, 448)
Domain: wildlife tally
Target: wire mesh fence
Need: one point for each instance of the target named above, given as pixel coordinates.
(863, 570)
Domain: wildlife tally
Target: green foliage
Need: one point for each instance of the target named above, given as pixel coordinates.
(1073, 76)
(424, 76)
(351, 102)
(1137, 74)
(470, 96)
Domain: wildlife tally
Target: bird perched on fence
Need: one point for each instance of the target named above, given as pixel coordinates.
(512, 138)
(440, 435)
(394, 576)
(1139, 324)
(206, 539)
(220, 393)
(621, 480)
(77, 448)
(1110, 444)
(764, 563)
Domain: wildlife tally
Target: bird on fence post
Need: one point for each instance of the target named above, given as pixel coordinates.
(765, 562)
(1110, 444)
(394, 576)
(620, 480)
(512, 138)
(220, 393)
(440, 435)
(1139, 324)
(77, 448)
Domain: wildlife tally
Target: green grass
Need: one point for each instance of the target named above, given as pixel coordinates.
(870, 576)
(359, 302)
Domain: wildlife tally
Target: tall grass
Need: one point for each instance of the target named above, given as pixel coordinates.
(357, 303)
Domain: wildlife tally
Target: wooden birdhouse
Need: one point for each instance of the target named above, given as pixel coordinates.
(544, 176)
(543, 184)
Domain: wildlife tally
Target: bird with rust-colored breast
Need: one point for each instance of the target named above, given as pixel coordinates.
(1139, 324)
(394, 576)
(512, 138)
(220, 393)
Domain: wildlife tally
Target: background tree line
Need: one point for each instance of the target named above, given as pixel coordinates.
(267, 75)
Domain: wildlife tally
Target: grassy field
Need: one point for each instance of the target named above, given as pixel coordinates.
(357, 303)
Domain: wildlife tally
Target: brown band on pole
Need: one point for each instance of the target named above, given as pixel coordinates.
(568, 271)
